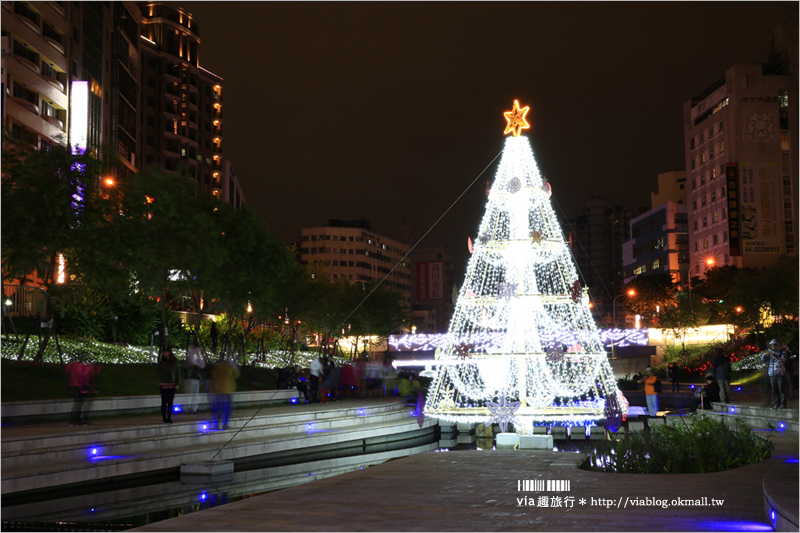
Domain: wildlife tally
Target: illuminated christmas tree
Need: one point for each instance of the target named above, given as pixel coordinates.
(522, 344)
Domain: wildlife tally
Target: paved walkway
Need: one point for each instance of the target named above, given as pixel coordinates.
(479, 491)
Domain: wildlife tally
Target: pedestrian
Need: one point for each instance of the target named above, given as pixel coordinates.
(650, 395)
(223, 382)
(80, 379)
(193, 376)
(722, 373)
(332, 377)
(775, 358)
(169, 377)
(674, 376)
(316, 371)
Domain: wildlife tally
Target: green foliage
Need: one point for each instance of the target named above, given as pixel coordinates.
(627, 383)
(695, 444)
(650, 291)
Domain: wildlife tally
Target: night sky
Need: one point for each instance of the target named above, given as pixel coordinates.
(388, 111)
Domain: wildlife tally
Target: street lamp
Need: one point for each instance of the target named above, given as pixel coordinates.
(629, 293)
(708, 262)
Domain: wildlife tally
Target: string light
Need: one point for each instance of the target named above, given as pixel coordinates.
(523, 314)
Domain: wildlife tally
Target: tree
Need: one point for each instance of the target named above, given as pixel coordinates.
(652, 293)
(255, 266)
(163, 233)
(682, 316)
(51, 214)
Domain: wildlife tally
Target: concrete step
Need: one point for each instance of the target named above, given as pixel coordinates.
(147, 438)
(166, 457)
(185, 435)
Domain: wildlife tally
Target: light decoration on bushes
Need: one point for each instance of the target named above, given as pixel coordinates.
(523, 314)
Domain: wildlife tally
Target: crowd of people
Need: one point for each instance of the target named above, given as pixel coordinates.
(777, 368)
(325, 381)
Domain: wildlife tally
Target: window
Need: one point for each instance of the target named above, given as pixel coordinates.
(702, 136)
(714, 239)
(714, 216)
(722, 147)
(703, 201)
(714, 173)
(725, 236)
(696, 246)
(694, 205)
(705, 243)
(714, 196)
(695, 225)
(703, 157)
(694, 163)
(711, 152)
(656, 264)
(691, 144)
(705, 222)
(721, 125)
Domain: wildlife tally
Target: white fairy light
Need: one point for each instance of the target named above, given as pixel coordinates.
(521, 296)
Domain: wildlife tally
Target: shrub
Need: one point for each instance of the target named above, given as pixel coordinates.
(698, 444)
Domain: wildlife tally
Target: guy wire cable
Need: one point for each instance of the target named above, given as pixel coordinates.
(419, 241)
(377, 285)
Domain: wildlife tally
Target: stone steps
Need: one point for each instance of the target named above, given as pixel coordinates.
(51, 461)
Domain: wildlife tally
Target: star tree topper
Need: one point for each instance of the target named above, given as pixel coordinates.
(516, 119)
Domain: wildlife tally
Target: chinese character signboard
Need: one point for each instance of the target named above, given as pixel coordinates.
(430, 280)
(732, 187)
(759, 212)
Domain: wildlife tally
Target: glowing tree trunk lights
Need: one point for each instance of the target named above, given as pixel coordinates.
(522, 345)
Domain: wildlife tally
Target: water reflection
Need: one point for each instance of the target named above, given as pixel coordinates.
(164, 497)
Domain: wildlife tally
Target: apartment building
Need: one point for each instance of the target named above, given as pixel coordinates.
(352, 251)
(118, 76)
(659, 237)
(741, 161)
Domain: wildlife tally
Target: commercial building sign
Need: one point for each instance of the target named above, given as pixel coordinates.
(759, 209)
(430, 280)
(732, 188)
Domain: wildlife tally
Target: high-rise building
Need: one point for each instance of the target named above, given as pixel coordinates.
(741, 161)
(69, 70)
(659, 237)
(596, 238)
(352, 251)
(182, 122)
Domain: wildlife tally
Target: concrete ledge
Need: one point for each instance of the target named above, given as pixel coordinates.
(536, 442)
(780, 483)
(508, 441)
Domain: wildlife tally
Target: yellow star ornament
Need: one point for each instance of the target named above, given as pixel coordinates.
(516, 119)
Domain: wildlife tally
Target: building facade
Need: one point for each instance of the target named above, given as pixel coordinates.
(432, 285)
(350, 250)
(741, 160)
(116, 77)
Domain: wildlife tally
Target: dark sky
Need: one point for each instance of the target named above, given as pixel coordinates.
(388, 111)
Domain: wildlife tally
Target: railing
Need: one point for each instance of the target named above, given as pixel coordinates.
(22, 300)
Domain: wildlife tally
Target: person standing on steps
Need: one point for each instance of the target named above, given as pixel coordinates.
(650, 394)
(169, 376)
(722, 373)
(775, 358)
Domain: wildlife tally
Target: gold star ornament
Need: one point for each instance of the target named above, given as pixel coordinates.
(516, 119)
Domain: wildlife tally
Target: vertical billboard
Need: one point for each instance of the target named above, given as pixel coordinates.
(732, 189)
(430, 280)
(79, 119)
(760, 208)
